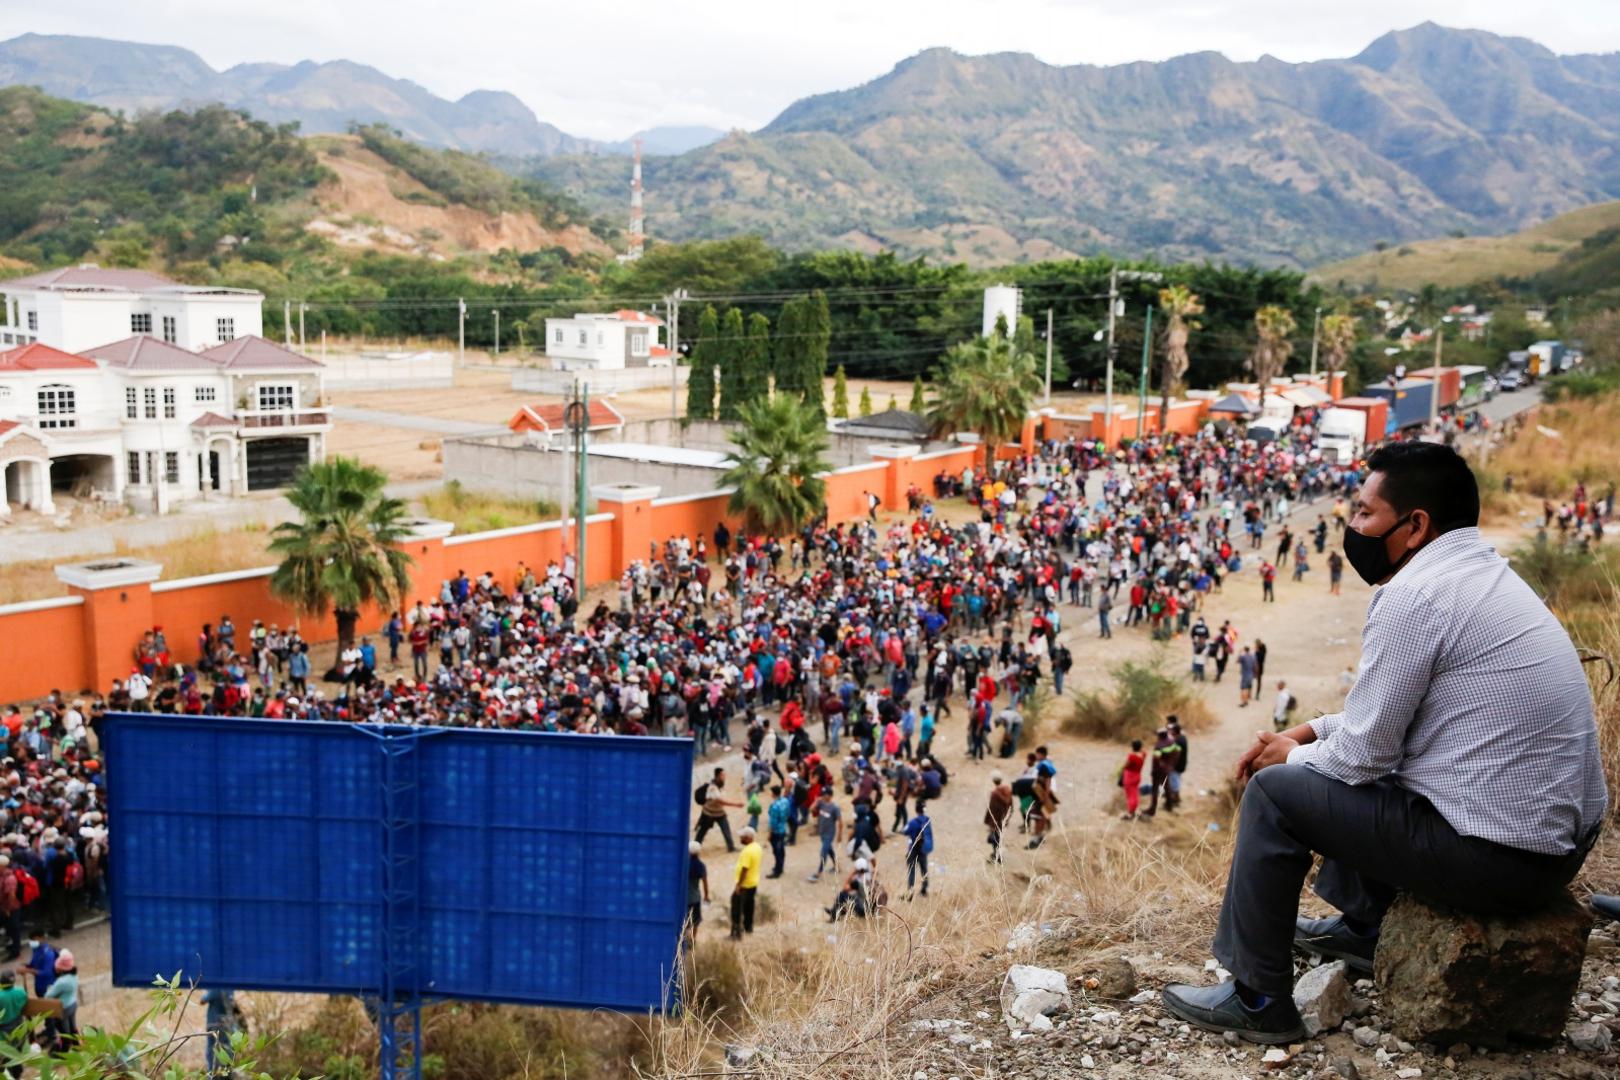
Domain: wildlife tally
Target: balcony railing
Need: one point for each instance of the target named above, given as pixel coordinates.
(283, 418)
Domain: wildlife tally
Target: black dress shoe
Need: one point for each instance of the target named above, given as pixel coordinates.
(1607, 906)
(1219, 1008)
(1330, 937)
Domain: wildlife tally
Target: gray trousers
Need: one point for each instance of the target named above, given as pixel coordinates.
(1376, 840)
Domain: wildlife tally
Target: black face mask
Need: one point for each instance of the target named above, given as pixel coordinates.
(1367, 555)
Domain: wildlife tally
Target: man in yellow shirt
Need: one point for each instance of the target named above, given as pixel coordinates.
(749, 861)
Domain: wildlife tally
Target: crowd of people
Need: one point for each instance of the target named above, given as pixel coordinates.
(835, 659)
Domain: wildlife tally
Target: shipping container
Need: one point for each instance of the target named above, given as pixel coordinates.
(1376, 410)
(1409, 402)
(1450, 382)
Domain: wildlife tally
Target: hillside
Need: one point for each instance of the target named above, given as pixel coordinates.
(329, 97)
(1426, 131)
(1454, 261)
(212, 185)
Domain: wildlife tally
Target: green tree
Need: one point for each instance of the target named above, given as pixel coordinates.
(986, 386)
(756, 359)
(840, 394)
(788, 365)
(1338, 338)
(730, 356)
(700, 387)
(1273, 325)
(342, 553)
(1180, 306)
(817, 329)
(779, 454)
(866, 401)
(919, 403)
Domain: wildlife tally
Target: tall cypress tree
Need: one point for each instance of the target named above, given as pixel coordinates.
(816, 326)
(789, 348)
(731, 360)
(756, 354)
(840, 394)
(919, 403)
(700, 386)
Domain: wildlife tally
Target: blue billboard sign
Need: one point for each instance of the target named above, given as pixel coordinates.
(525, 867)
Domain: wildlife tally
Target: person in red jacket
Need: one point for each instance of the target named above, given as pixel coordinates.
(1130, 778)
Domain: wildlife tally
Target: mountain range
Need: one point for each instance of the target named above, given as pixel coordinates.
(321, 97)
(1426, 131)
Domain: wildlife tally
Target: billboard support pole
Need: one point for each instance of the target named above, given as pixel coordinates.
(399, 1007)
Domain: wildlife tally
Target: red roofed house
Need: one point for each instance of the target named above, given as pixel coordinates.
(622, 339)
(548, 419)
(145, 421)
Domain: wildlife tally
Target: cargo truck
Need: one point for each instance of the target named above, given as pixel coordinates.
(1341, 435)
(1409, 402)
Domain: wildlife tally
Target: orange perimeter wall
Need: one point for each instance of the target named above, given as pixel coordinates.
(80, 646)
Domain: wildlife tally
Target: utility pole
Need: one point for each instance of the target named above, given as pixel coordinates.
(302, 307)
(1048, 356)
(1108, 398)
(1316, 336)
(579, 516)
(1434, 391)
(461, 332)
(674, 301)
(1142, 384)
(497, 313)
(286, 322)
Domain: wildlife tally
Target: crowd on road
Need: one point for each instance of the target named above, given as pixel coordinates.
(849, 663)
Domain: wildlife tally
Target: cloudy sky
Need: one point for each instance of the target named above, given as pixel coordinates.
(605, 70)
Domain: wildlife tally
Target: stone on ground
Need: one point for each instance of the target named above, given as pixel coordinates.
(1593, 1038)
(1113, 978)
(1030, 994)
(1322, 996)
(1450, 977)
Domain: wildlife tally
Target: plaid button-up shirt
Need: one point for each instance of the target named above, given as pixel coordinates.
(1471, 695)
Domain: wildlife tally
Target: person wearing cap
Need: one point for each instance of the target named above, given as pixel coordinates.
(697, 890)
(65, 988)
(856, 895)
(746, 884)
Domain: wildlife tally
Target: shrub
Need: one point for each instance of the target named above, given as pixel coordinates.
(1143, 695)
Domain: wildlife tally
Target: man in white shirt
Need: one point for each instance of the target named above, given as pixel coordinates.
(140, 688)
(1464, 768)
(1285, 704)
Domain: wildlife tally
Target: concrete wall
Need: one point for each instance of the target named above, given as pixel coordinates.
(842, 449)
(545, 380)
(86, 640)
(512, 464)
(390, 371)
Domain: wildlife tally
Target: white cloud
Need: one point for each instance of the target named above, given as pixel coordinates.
(606, 70)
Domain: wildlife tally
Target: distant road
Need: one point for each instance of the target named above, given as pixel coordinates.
(1510, 403)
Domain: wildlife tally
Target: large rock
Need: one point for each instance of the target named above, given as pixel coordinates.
(1030, 994)
(1322, 996)
(1448, 977)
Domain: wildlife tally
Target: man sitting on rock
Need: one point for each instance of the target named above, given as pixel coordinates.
(1463, 770)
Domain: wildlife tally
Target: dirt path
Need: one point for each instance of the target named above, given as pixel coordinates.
(1311, 637)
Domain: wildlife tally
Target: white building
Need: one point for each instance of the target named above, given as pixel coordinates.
(75, 308)
(622, 339)
(1002, 302)
(145, 421)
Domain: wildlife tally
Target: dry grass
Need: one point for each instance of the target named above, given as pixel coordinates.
(1143, 696)
(1449, 261)
(480, 511)
(206, 552)
(1549, 466)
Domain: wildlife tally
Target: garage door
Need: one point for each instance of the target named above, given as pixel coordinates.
(272, 463)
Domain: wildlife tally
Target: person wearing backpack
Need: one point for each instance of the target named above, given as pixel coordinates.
(920, 844)
(713, 815)
(781, 812)
(11, 908)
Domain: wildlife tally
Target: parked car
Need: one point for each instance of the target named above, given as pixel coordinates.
(1510, 380)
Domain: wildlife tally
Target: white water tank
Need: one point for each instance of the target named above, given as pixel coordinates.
(1002, 300)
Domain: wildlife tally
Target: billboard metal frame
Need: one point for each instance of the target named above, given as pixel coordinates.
(397, 999)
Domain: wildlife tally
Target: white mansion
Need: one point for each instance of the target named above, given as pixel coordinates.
(124, 386)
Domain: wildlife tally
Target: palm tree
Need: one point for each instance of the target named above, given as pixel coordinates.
(778, 455)
(343, 553)
(1338, 338)
(987, 386)
(1179, 304)
(1274, 324)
